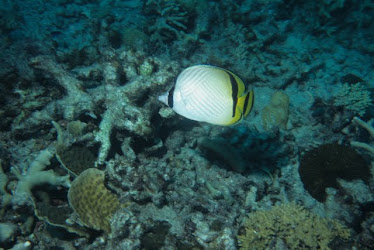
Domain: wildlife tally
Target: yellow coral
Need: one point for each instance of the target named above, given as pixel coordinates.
(92, 201)
(295, 226)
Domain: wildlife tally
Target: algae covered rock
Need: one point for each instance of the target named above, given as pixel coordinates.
(275, 114)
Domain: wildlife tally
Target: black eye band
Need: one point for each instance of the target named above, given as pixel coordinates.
(170, 97)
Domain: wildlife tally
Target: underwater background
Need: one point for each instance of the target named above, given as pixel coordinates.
(91, 159)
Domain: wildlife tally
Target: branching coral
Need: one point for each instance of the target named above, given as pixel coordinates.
(170, 22)
(292, 224)
(354, 98)
(120, 114)
(76, 101)
(35, 175)
(175, 20)
(367, 146)
(124, 104)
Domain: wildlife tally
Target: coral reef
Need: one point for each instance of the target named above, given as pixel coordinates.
(56, 215)
(355, 98)
(90, 73)
(182, 21)
(119, 114)
(291, 225)
(171, 21)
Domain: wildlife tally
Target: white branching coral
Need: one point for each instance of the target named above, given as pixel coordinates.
(370, 129)
(115, 104)
(35, 175)
(120, 114)
(76, 101)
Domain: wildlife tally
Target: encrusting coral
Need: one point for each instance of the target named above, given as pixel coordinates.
(292, 224)
(92, 201)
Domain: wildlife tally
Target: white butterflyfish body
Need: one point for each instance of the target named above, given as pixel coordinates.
(209, 94)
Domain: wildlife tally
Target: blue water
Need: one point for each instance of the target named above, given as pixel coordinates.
(96, 69)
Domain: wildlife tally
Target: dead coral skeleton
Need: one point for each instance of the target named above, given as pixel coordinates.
(119, 113)
(76, 101)
(121, 110)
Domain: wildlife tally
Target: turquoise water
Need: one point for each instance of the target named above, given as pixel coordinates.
(79, 88)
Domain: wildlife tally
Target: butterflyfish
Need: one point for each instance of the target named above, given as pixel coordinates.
(209, 94)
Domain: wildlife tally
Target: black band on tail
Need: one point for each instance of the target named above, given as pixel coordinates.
(234, 86)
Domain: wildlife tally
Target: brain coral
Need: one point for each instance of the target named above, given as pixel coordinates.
(92, 201)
